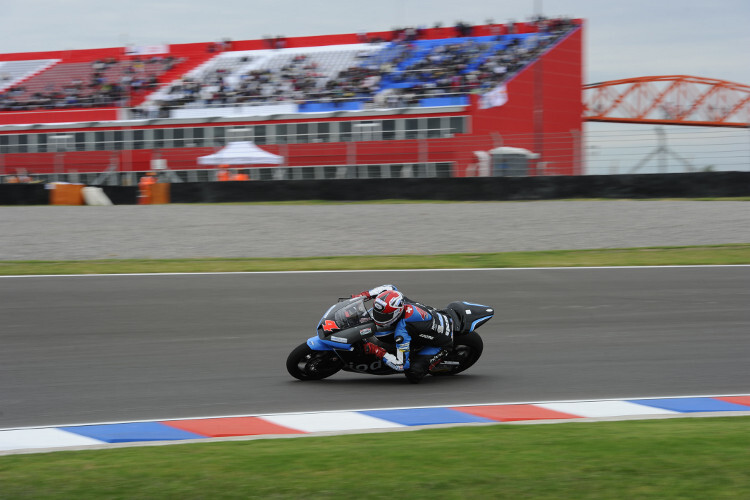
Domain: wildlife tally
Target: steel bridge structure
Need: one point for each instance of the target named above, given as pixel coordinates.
(668, 100)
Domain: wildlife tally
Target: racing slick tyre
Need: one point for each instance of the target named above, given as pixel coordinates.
(304, 363)
(466, 351)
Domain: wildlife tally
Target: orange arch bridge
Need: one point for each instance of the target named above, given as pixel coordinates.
(668, 100)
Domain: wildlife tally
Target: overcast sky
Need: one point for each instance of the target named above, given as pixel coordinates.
(625, 38)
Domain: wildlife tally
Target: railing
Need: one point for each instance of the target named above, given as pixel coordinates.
(603, 149)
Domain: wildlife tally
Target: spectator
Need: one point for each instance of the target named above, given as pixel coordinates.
(223, 173)
(238, 176)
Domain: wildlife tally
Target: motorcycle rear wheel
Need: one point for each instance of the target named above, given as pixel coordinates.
(304, 363)
(466, 350)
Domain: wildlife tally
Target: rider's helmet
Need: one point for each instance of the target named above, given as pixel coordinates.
(388, 307)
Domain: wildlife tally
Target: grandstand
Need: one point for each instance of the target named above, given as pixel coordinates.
(422, 103)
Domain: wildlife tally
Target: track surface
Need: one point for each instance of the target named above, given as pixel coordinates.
(110, 348)
(189, 231)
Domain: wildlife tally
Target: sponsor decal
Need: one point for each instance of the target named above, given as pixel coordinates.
(365, 331)
(423, 314)
(468, 311)
(330, 326)
(430, 337)
(339, 339)
(489, 310)
(377, 365)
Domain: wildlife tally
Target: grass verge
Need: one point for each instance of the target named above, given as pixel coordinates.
(682, 458)
(689, 255)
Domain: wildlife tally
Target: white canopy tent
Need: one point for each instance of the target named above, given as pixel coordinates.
(241, 153)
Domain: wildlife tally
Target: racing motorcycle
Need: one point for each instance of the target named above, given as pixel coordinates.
(347, 325)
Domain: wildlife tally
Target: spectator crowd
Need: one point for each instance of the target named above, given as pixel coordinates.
(401, 73)
(104, 82)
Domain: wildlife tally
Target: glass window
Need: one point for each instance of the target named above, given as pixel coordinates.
(41, 143)
(80, 142)
(374, 171)
(139, 139)
(412, 128)
(199, 137)
(4, 141)
(389, 129)
(323, 134)
(219, 136)
(260, 134)
(23, 143)
(158, 138)
(345, 131)
(119, 140)
(433, 127)
(458, 124)
(168, 142)
(302, 133)
(281, 133)
(99, 141)
(178, 137)
(443, 169)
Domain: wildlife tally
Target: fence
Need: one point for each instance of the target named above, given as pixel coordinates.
(603, 149)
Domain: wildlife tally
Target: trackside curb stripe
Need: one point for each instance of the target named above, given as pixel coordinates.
(28, 440)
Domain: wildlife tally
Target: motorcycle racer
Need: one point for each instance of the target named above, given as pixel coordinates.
(411, 325)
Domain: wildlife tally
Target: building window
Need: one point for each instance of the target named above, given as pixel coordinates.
(119, 140)
(303, 133)
(219, 139)
(41, 143)
(412, 128)
(434, 128)
(260, 134)
(345, 131)
(281, 133)
(139, 139)
(178, 138)
(198, 138)
(389, 129)
(458, 125)
(323, 133)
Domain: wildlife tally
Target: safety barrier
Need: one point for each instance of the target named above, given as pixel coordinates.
(637, 186)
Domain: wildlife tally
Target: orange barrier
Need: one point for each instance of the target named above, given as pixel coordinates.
(160, 193)
(66, 194)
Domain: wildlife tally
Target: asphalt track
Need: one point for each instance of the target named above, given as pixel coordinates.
(84, 349)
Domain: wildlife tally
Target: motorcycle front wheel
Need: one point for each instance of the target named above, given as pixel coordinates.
(304, 363)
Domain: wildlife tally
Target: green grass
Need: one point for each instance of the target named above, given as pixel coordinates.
(690, 255)
(690, 458)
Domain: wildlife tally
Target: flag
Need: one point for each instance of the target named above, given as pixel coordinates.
(495, 97)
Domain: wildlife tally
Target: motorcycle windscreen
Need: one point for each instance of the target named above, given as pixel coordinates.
(347, 321)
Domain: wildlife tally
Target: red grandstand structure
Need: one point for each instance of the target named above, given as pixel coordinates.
(536, 107)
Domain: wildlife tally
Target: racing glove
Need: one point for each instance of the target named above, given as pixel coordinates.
(370, 348)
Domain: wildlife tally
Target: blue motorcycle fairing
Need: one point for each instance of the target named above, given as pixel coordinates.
(318, 344)
(477, 305)
(480, 321)
(428, 351)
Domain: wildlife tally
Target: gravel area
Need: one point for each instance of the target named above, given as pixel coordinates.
(183, 231)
